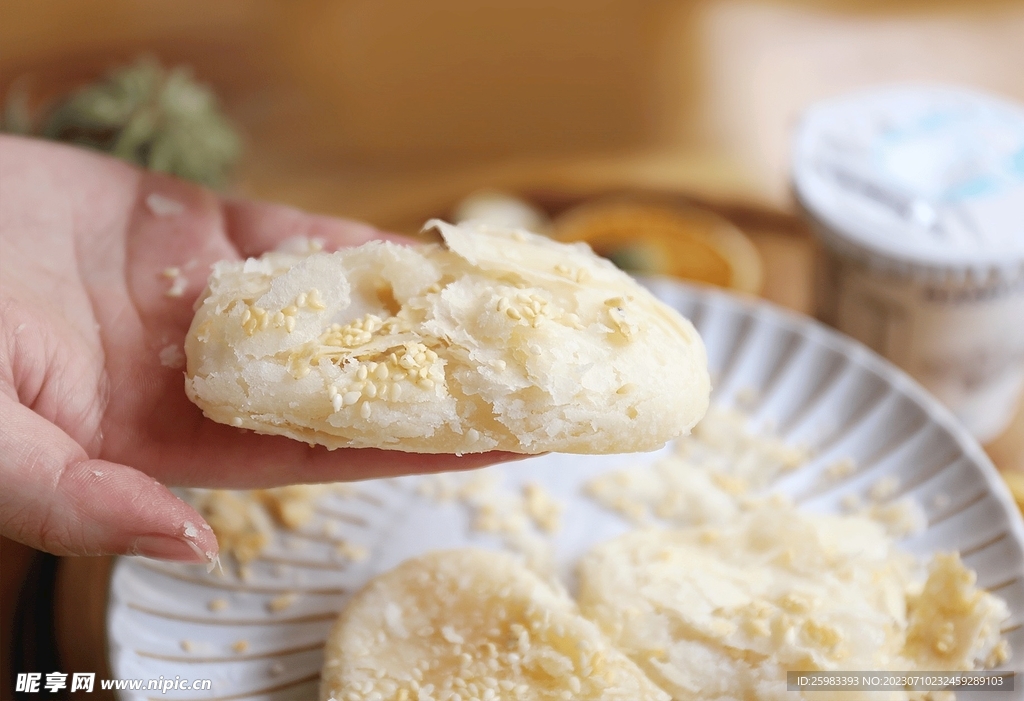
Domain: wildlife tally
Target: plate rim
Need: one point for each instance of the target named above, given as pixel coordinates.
(895, 376)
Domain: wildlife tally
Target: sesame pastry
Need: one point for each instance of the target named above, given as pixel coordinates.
(472, 624)
(495, 339)
(722, 613)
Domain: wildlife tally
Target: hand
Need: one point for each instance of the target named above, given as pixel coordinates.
(93, 412)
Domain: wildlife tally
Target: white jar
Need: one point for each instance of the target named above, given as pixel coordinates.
(917, 195)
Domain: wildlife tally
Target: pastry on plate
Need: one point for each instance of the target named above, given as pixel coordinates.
(478, 624)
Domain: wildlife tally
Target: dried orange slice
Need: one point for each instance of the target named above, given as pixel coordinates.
(686, 242)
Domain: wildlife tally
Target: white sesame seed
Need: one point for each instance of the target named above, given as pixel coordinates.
(337, 402)
(217, 604)
(313, 300)
(449, 634)
(364, 410)
(351, 398)
(281, 602)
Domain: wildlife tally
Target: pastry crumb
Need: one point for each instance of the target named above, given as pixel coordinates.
(281, 602)
(178, 286)
(172, 356)
(163, 206)
(884, 489)
(351, 551)
(542, 508)
(841, 468)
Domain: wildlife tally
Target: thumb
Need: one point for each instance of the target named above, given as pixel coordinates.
(55, 498)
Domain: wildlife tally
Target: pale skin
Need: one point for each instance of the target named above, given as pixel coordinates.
(92, 423)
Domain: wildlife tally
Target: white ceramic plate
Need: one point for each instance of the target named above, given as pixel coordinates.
(813, 386)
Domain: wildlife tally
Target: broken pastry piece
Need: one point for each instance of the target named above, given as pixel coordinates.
(722, 613)
(472, 624)
(494, 340)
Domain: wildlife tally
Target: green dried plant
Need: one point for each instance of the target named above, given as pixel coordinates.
(158, 118)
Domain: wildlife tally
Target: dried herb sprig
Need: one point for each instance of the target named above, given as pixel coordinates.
(158, 118)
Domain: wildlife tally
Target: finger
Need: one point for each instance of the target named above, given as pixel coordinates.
(57, 499)
(251, 461)
(175, 233)
(185, 448)
(256, 227)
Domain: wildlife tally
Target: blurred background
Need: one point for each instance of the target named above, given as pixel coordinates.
(393, 111)
(381, 109)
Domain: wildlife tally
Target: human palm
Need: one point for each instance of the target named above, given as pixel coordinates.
(92, 405)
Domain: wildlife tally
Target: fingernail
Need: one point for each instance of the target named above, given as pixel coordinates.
(164, 547)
